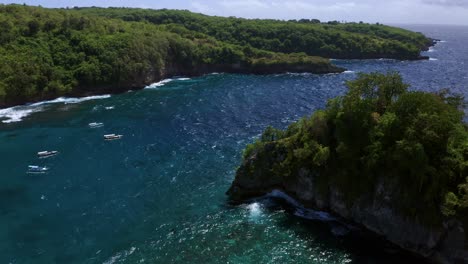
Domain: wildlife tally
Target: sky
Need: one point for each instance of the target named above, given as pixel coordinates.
(384, 11)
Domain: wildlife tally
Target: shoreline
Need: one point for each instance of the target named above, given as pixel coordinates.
(312, 213)
(238, 195)
(82, 92)
(98, 90)
(85, 91)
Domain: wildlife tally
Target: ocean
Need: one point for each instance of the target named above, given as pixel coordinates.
(157, 195)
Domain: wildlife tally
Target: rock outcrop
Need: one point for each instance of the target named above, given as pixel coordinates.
(374, 211)
(373, 158)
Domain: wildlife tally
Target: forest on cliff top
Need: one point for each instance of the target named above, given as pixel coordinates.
(379, 132)
(46, 53)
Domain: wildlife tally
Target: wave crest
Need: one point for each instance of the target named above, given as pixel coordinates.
(17, 113)
(166, 81)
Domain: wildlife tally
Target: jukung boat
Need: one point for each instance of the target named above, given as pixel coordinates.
(95, 125)
(112, 137)
(46, 154)
(37, 169)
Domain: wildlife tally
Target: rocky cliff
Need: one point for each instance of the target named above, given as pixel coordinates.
(387, 159)
(444, 243)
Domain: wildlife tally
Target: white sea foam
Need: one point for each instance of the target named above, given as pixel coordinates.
(71, 100)
(166, 81)
(431, 49)
(120, 255)
(17, 113)
(433, 59)
(159, 84)
(255, 210)
(299, 73)
(348, 72)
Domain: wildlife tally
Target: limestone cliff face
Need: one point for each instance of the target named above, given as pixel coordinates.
(443, 243)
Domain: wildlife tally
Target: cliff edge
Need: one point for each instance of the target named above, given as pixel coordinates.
(390, 160)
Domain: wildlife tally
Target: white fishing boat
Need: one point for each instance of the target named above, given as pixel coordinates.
(95, 125)
(46, 154)
(112, 137)
(37, 169)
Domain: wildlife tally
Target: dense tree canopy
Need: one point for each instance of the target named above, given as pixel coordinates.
(381, 132)
(45, 53)
(332, 40)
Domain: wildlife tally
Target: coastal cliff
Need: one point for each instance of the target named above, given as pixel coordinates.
(445, 243)
(153, 75)
(48, 53)
(373, 158)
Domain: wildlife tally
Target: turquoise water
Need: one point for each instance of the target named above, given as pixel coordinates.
(157, 195)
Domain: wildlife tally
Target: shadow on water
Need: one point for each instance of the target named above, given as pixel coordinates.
(363, 246)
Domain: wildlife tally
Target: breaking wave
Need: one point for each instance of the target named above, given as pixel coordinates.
(165, 81)
(72, 100)
(17, 113)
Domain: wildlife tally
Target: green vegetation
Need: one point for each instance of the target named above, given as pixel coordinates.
(378, 132)
(330, 40)
(45, 53)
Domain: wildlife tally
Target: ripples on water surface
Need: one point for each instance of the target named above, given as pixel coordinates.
(157, 195)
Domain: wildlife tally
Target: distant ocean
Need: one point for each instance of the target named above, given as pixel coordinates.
(157, 194)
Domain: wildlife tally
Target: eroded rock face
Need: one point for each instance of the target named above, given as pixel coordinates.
(438, 244)
(252, 179)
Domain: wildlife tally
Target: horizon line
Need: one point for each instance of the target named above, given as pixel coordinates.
(248, 18)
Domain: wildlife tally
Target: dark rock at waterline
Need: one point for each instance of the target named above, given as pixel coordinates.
(156, 75)
(373, 211)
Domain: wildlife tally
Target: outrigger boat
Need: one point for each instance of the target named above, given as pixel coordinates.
(37, 169)
(46, 154)
(95, 125)
(112, 137)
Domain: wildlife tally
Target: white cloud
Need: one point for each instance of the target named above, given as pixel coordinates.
(244, 4)
(200, 7)
(390, 11)
(454, 3)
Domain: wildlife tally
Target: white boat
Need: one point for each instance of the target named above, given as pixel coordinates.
(95, 125)
(45, 154)
(112, 137)
(37, 169)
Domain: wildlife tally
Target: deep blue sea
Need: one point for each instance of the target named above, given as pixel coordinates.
(158, 194)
